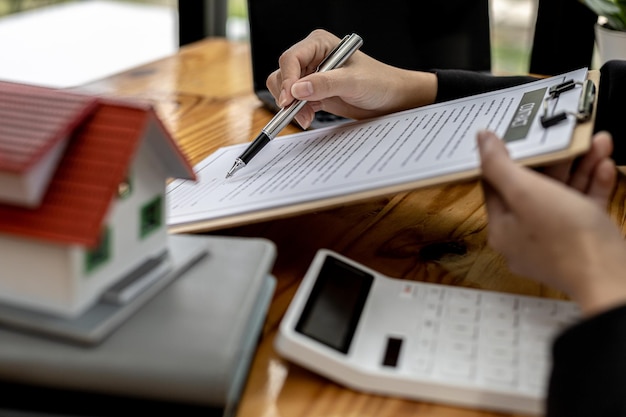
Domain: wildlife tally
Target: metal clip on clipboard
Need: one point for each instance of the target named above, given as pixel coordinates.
(585, 104)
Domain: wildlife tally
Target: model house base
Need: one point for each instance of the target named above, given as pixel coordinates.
(118, 303)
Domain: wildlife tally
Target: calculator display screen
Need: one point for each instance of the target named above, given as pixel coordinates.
(332, 312)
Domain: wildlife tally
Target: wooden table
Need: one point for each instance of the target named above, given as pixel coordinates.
(204, 95)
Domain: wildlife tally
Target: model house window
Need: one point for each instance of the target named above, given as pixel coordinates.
(100, 254)
(151, 217)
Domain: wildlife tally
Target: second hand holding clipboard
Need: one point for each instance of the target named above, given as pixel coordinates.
(337, 57)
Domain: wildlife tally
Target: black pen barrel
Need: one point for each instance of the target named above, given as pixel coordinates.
(258, 144)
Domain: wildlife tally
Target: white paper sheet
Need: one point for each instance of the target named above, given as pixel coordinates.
(403, 147)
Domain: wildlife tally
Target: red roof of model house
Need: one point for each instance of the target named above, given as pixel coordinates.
(95, 139)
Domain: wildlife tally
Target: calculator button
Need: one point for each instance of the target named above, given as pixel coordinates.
(428, 328)
(500, 374)
(500, 318)
(434, 293)
(459, 331)
(500, 355)
(392, 351)
(534, 381)
(407, 290)
(457, 369)
(425, 346)
(505, 336)
(497, 301)
(538, 308)
(458, 350)
(421, 365)
(535, 358)
(463, 297)
(461, 313)
(432, 309)
(537, 333)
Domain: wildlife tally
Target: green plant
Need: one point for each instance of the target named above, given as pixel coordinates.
(613, 10)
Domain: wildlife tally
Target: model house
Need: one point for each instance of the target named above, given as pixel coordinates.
(82, 195)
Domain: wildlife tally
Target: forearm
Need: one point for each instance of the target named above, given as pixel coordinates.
(407, 89)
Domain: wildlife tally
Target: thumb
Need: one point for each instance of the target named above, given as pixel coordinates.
(322, 85)
(492, 153)
(498, 170)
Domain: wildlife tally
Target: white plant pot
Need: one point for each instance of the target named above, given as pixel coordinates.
(611, 44)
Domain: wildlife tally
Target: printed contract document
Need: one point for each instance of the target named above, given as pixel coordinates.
(357, 160)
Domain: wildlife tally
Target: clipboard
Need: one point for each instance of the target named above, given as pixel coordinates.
(579, 143)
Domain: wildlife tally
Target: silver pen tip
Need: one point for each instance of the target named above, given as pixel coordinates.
(236, 166)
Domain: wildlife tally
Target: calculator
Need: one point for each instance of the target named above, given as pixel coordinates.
(429, 342)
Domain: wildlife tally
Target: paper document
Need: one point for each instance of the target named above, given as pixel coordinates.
(401, 151)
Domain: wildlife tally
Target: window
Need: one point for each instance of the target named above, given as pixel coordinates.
(151, 217)
(100, 254)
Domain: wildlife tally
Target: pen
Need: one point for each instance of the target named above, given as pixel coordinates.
(337, 57)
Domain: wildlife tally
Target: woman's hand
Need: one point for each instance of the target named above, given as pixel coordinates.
(363, 87)
(555, 234)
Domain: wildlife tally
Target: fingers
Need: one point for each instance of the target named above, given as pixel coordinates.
(489, 152)
(503, 218)
(497, 167)
(593, 175)
(496, 207)
(322, 85)
(521, 191)
(602, 183)
(579, 175)
(298, 61)
(559, 171)
(582, 175)
(306, 115)
(293, 65)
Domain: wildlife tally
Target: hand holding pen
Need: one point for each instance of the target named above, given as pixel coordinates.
(335, 59)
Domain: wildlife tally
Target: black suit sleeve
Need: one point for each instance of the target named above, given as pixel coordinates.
(460, 83)
(589, 368)
(612, 107)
